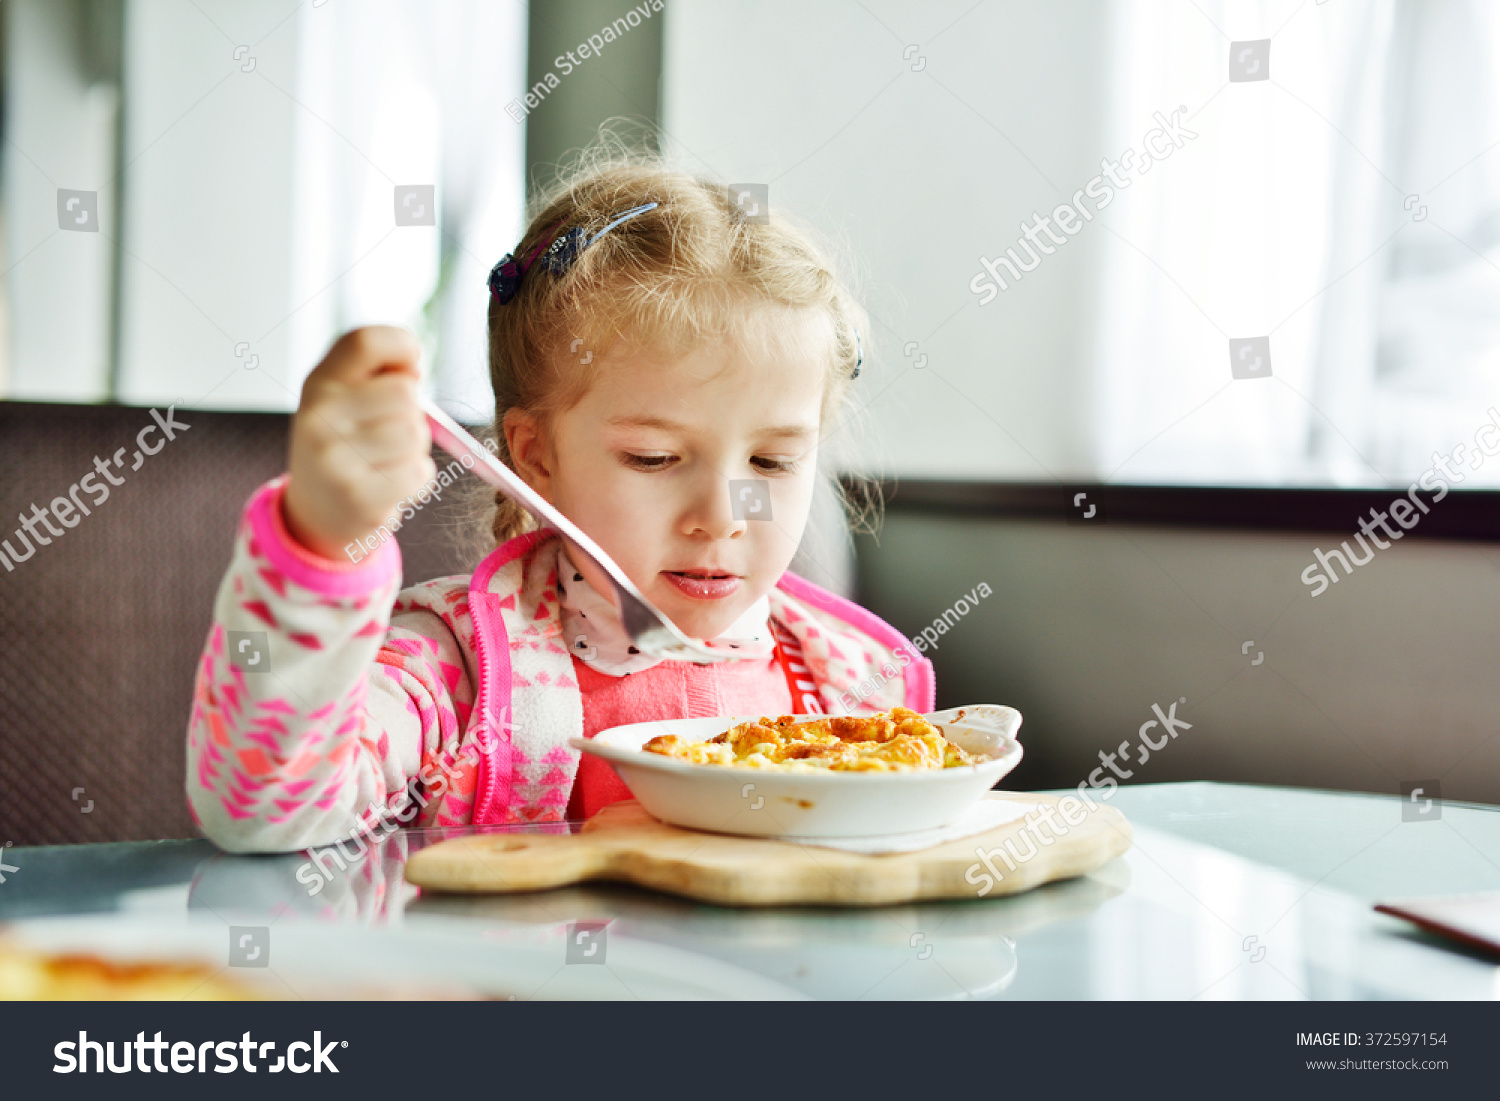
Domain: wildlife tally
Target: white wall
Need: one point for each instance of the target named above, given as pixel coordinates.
(207, 215)
(60, 133)
(1386, 677)
(917, 173)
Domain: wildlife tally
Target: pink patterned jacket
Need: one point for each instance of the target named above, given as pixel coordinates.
(327, 704)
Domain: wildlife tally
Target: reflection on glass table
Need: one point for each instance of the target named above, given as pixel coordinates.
(1228, 892)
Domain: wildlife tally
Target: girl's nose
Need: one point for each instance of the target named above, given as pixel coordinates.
(713, 513)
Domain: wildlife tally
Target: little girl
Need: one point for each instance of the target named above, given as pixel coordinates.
(663, 370)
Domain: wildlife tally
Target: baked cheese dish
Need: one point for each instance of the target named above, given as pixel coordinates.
(893, 741)
(27, 975)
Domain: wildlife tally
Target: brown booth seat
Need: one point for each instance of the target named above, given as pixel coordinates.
(100, 631)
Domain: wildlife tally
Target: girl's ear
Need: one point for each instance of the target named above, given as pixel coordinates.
(529, 448)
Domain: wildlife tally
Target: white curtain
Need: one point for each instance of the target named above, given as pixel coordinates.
(1437, 363)
(1345, 208)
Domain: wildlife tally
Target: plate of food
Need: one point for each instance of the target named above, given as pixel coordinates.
(814, 776)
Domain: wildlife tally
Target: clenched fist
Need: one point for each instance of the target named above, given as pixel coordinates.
(359, 441)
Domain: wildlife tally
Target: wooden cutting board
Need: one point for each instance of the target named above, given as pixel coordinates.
(624, 843)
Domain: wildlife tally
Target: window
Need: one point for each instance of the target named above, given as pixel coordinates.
(248, 162)
(1335, 208)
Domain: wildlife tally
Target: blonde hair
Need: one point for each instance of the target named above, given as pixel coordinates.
(671, 277)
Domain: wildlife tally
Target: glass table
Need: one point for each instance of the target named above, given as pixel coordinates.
(1229, 892)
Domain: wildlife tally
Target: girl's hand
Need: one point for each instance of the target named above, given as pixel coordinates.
(359, 440)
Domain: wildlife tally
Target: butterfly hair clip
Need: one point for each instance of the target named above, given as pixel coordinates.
(558, 251)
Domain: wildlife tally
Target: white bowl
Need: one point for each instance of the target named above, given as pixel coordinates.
(773, 803)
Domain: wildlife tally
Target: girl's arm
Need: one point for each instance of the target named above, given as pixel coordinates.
(313, 716)
(291, 741)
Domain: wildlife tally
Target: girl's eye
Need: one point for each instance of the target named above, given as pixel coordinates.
(662, 462)
(775, 466)
(647, 462)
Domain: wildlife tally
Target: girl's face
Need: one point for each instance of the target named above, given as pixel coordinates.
(696, 472)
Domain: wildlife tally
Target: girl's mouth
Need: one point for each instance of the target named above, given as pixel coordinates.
(703, 584)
